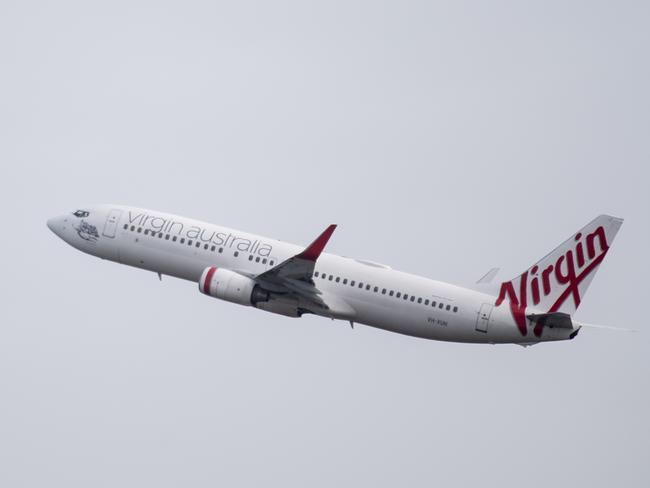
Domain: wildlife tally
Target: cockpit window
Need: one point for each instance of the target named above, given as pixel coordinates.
(81, 213)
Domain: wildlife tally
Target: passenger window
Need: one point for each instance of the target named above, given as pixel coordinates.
(345, 281)
(236, 253)
(220, 250)
(426, 302)
(182, 240)
(367, 287)
(126, 226)
(331, 277)
(257, 259)
(360, 285)
(213, 248)
(440, 306)
(419, 300)
(352, 283)
(316, 274)
(271, 263)
(455, 309)
(412, 298)
(406, 297)
(166, 237)
(448, 307)
(198, 244)
(338, 279)
(146, 232)
(174, 238)
(139, 230)
(390, 293)
(205, 247)
(376, 289)
(433, 304)
(250, 258)
(264, 261)
(132, 228)
(324, 276)
(383, 292)
(398, 294)
(189, 242)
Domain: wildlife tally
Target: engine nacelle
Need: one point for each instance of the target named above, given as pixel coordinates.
(230, 286)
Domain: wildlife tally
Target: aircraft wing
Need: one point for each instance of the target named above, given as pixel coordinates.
(300, 266)
(294, 277)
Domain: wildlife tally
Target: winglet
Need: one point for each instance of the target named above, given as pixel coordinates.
(314, 250)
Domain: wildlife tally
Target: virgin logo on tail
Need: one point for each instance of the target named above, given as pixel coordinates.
(564, 276)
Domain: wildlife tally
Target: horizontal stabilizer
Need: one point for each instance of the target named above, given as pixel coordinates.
(606, 327)
(557, 320)
(487, 278)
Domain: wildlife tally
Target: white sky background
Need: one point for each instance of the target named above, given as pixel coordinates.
(444, 139)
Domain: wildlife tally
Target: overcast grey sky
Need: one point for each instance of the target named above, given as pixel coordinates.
(444, 138)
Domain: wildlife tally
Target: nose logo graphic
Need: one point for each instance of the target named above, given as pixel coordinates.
(87, 231)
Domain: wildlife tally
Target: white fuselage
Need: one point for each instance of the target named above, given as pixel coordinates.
(183, 248)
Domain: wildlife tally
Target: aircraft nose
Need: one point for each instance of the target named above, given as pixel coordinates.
(56, 225)
(51, 224)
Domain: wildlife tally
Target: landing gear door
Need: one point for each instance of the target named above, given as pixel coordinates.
(110, 227)
(483, 318)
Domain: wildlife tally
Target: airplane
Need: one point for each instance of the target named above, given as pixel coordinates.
(536, 306)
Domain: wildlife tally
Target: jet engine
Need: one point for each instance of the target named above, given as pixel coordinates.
(232, 287)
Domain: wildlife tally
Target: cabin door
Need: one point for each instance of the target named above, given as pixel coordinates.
(483, 318)
(110, 227)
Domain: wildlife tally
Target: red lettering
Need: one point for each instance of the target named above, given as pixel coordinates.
(517, 303)
(568, 277)
(534, 285)
(600, 233)
(564, 270)
(580, 253)
(546, 280)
